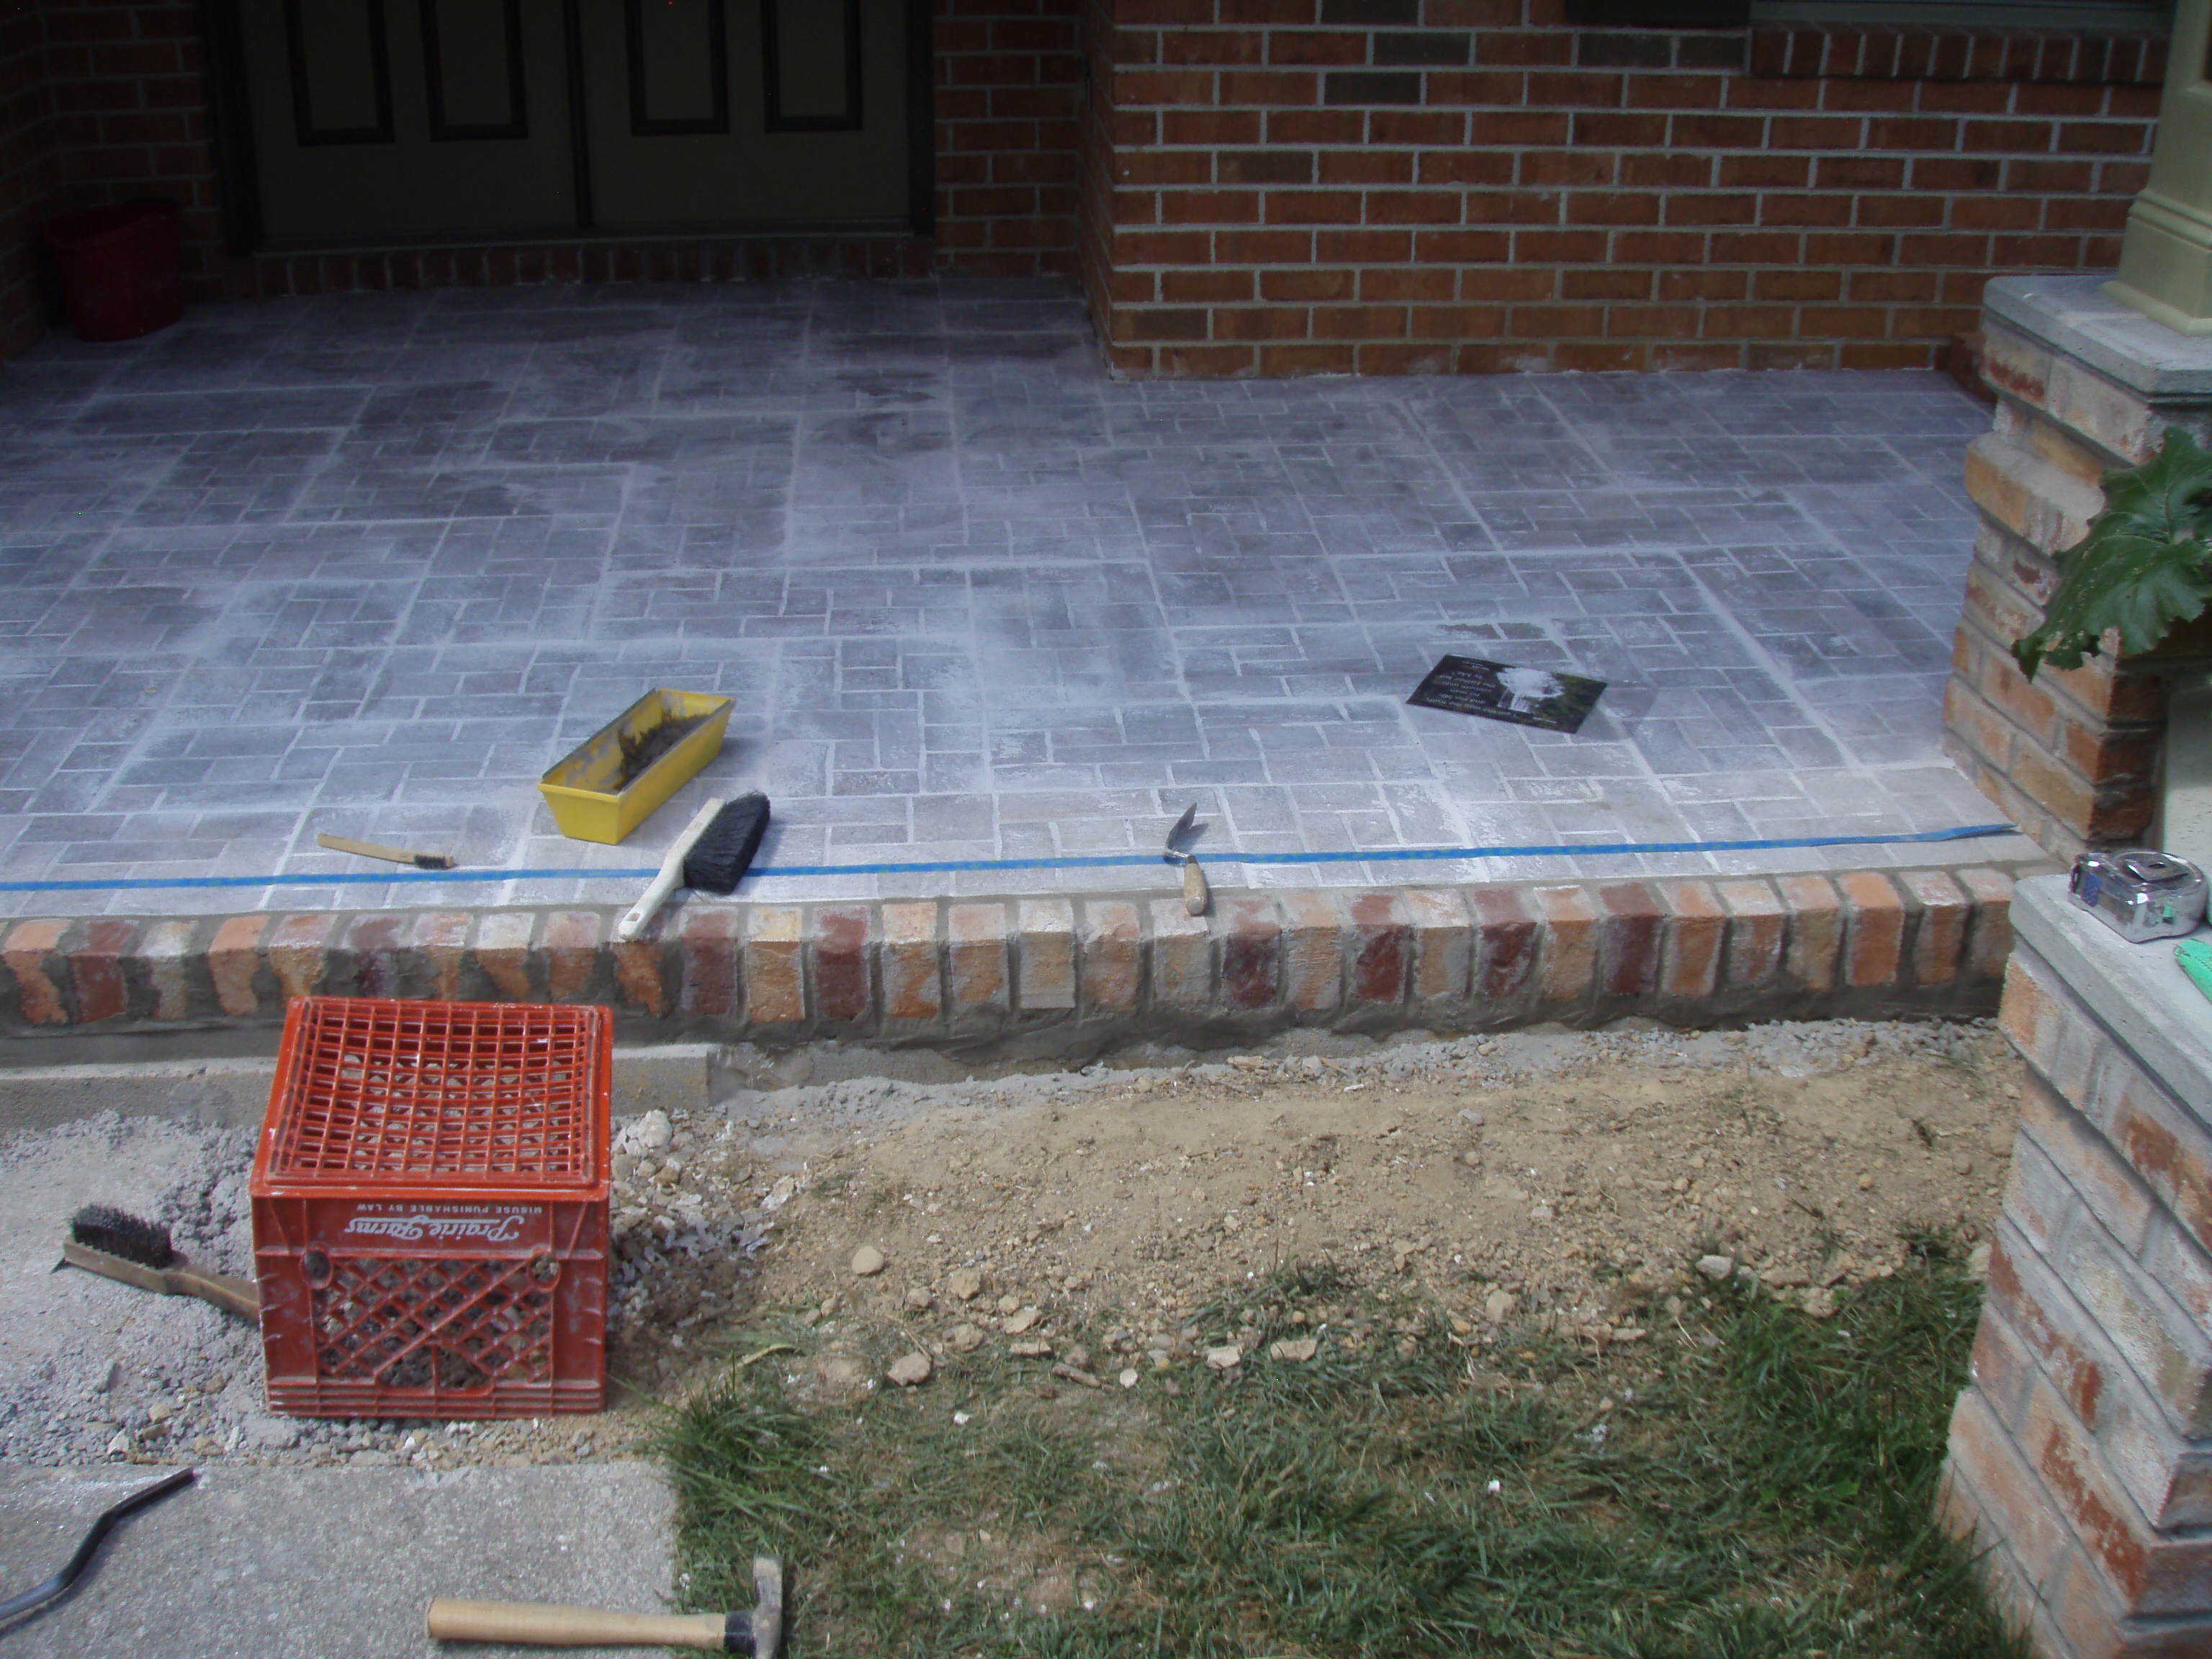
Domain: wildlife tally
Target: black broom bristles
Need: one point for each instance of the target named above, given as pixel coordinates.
(718, 859)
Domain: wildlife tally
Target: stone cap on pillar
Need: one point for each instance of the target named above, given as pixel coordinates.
(2137, 990)
(2075, 315)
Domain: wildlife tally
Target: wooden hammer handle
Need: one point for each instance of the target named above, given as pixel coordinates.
(541, 1625)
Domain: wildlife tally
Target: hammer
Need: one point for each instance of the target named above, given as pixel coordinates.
(758, 1631)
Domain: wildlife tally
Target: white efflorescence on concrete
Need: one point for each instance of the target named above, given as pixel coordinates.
(369, 564)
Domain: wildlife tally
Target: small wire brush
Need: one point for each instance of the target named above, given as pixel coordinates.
(131, 1250)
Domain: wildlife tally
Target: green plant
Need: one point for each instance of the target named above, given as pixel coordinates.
(2145, 565)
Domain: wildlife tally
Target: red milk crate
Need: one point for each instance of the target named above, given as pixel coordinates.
(430, 1209)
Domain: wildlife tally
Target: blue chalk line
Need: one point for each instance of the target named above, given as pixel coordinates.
(1130, 860)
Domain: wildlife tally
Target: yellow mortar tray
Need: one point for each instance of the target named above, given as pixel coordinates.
(576, 787)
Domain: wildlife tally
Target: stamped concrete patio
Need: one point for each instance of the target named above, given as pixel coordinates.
(370, 564)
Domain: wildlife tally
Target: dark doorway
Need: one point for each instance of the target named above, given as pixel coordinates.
(360, 123)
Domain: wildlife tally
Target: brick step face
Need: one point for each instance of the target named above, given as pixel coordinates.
(1868, 943)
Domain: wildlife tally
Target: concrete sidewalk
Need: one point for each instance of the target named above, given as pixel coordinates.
(369, 564)
(326, 1564)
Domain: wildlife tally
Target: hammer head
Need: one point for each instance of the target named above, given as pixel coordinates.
(759, 1633)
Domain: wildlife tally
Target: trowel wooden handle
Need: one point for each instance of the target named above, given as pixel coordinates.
(541, 1625)
(1195, 896)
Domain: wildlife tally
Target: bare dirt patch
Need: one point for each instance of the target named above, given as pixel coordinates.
(1574, 1179)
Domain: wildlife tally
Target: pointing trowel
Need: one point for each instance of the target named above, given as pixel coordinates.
(1195, 896)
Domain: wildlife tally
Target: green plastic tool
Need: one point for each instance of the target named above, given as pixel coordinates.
(2195, 956)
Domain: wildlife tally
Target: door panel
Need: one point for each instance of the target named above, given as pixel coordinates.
(677, 56)
(810, 64)
(472, 68)
(670, 147)
(380, 121)
(377, 119)
(341, 70)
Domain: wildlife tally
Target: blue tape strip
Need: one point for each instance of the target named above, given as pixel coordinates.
(1603, 849)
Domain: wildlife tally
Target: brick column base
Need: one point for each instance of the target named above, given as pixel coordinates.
(2083, 386)
(2081, 1459)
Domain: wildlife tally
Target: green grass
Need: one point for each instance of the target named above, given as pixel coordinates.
(1768, 1496)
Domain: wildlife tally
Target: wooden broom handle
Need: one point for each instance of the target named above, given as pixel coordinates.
(542, 1625)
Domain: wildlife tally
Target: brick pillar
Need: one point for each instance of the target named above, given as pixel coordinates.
(2083, 385)
(2081, 1458)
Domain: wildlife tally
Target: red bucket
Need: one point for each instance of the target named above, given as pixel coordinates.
(121, 269)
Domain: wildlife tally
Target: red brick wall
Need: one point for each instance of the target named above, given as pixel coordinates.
(130, 113)
(27, 169)
(1095, 241)
(1006, 170)
(1397, 185)
(130, 118)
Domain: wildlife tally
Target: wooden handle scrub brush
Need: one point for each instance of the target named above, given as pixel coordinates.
(120, 1246)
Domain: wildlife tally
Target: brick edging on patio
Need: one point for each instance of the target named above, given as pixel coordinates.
(1071, 972)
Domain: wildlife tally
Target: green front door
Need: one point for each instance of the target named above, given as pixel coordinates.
(716, 111)
(377, 121)
(382, 119)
